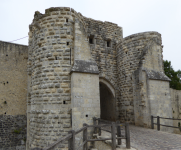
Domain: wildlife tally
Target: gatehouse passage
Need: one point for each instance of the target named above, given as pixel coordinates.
(107, 103)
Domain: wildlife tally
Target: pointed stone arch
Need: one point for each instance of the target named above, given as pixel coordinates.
(109, 85)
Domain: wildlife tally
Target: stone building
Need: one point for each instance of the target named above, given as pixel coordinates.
(79, 68)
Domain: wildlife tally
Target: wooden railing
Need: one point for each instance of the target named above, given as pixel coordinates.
(97, 130)
(158, 122)
(114, 127)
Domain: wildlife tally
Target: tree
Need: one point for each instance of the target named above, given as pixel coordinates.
(175, 76)
(179, 74)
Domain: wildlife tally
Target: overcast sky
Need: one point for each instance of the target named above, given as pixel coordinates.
(163, 16)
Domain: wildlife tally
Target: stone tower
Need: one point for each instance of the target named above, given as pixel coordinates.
(49, 64)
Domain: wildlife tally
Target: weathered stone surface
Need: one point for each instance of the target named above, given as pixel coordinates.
(13, 78)
(13, 132)
(176, 108)
(157, 75)
(85, 67)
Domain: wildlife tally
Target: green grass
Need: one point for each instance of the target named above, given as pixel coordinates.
(17, 131)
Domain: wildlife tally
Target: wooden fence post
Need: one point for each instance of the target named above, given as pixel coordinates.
(71, 143)
(94, 123)
(119, 132)
(99, 122)
(85, 137)
(113, 136)
(158, 123)
(152, 122)
(127, 134)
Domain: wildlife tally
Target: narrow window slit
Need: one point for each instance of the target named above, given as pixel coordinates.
(67, 20)
(91, 39)
(108, 43)
(63, 102)
(67, 43)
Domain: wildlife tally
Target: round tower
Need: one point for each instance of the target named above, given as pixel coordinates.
(131, 53)
(49, 63)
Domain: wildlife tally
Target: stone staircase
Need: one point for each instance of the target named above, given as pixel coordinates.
(106, 145)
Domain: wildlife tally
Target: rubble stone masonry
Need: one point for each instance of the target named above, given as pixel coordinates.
(13, 93)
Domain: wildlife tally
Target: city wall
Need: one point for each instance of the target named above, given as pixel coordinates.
(13, 93)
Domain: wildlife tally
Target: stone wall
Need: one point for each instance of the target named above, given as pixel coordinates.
(12, 132)
(84, 83)
(159, 99)
(176, 108)
(13, 93)
(103, 50)
(13, 78)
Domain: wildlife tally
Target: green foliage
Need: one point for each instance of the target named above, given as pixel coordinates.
(5, 102)
(17, 131)
(175, 76)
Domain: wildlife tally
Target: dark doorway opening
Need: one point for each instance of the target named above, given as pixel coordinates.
(107, 103)
(91, 39)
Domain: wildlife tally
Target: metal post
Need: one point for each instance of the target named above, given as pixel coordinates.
(127, 134)
(152, 122)
(113, 136)
(71, 143)
(85, 137)
(158, 123)
(119, 132)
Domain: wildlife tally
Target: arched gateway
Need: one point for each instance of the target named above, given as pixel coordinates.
(107, 100)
